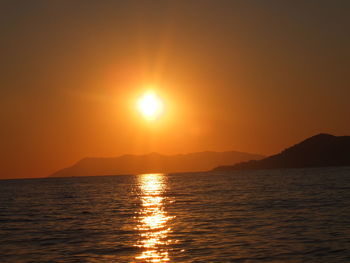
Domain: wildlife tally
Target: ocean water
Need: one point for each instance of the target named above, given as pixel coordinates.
(297, 215)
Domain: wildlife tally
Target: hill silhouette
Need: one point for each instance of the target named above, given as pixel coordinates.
(154, 162)
(317, 151)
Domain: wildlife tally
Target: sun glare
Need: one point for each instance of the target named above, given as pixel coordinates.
(150, 105)
(153, 220)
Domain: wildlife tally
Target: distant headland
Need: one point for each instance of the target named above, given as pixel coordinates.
(154, 163)
(321, 150)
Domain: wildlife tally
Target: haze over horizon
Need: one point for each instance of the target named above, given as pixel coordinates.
(253, 76)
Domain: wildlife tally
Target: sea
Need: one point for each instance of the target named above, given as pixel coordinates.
(291, 215)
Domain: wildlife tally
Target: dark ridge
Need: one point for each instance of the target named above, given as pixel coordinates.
(317, 151)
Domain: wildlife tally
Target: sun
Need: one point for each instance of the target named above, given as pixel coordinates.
(150, 105)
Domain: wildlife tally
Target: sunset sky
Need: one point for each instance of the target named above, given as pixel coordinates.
(253, 76)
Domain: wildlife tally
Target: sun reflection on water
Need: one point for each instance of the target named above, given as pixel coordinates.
(153, 220)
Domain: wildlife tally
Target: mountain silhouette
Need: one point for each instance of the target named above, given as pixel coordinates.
(317, 151)
(154, 163)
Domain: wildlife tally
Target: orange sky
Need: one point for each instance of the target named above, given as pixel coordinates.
(254, 77)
